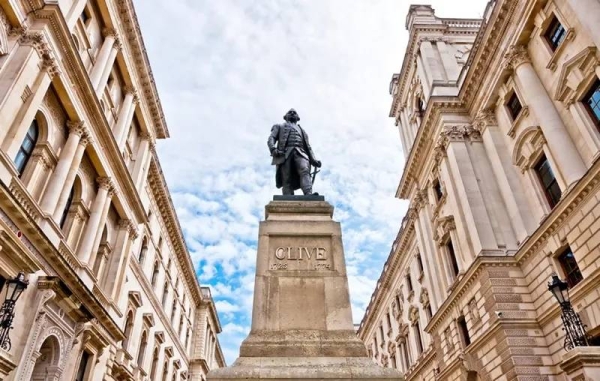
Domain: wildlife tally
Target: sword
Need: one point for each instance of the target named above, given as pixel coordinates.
(314, 175)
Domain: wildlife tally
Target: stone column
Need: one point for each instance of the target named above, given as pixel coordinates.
(84, 250)
(142, 161)
(62, 200)
(61, 172)
(588, 13)
(101, 225)
(113, 278)
(568, 159)
(507, 179)
(106, 57)
(125, 116)
(473, 217)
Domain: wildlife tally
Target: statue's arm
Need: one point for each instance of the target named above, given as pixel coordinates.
(272, 141)
(311, 154)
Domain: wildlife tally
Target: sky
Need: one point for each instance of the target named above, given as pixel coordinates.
(226, 71)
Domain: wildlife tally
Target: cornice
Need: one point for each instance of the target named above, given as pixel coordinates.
(161, 194)
(129, 20)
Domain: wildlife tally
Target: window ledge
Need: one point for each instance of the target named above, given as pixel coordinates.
(559, 50)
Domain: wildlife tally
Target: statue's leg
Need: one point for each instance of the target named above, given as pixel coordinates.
(303, 168)
(286, 176)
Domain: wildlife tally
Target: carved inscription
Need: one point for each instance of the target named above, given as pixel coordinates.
(314, 258)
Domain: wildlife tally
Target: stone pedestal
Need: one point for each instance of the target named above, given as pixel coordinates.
(301, 320)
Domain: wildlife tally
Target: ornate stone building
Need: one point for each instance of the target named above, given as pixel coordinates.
(499, 119)
(85, 211)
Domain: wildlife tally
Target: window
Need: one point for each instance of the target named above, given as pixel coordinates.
(409, 283)
(154, 364)
(166, 370)
(514, 106)
(83, 364)
(569, 265)
(592, 101)
(418, 340)
(165, 295)
(393, 361)
(173, 310)
(26, 149)
(548, 181)
(142, 352)
(437, 189)
(155, 273)
(65, 212)
(127, 332)
(452, 257)
(420, 263)
(85, 16)
(420, 106)
(405, 356)
(464, 331)
(143, 250)
(428, 312)
(389, 320)
(555, 34)
(381, 333)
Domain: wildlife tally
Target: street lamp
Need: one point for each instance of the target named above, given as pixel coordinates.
(572, 324)
(14, 289)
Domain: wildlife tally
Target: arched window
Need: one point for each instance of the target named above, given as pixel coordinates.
(65, 213)
(155, 273)
(26, 149)
(128, 328)
(142, 352)
(143, 250)
(173, 309)
(166, 370)
(154, 364)
(187, 338)
(165, 294)
(180, 324)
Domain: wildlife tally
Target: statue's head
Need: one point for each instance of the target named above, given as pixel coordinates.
(291, 116)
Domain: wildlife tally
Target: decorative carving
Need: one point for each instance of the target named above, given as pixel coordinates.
(424, 298)
(515, 57)
(448, 338)
(127, 224)
(413, 315)
(475, 317)
(77, 128)
(50, 66)
(105, 183)
(109, 32)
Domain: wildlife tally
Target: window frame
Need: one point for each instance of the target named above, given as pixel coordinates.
(32, 136)
(463, 330)
(550, 32)
(509, 106)
(569, 272)
(545, 187)
(595, 87)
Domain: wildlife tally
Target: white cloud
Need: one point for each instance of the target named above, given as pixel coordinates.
(226, 72)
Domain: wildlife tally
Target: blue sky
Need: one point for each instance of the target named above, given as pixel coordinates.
(227, 70)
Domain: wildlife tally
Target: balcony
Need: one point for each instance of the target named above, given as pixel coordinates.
(122, 367)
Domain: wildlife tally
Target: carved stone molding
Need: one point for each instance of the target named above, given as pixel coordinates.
(484, 119)
(77, 127)
(105, 183)
(127, 224)
(109, 32)
(443, 226)
(413, 315)
(515, 57)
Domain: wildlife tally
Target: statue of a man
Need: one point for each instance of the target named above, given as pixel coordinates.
(292, 155)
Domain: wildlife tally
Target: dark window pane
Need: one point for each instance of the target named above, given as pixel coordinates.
(82, 366)
(65, 213)
(409, 283)
(514, 106)
(592, 101)
(27, 147)
(569, 264)
(437, 188)
(464, 331)
(452, 257)
(548, 181)
(418, 339)
(555, 34)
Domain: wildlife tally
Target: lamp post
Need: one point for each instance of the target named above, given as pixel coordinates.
(572, 324)
(14, 289)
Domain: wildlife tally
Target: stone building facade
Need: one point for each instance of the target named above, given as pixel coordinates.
(500, 123)
(85, 211)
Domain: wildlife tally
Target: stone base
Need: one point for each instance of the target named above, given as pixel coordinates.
(309, 197)
(304, 368)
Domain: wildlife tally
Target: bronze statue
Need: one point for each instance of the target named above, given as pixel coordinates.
(292, 155)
